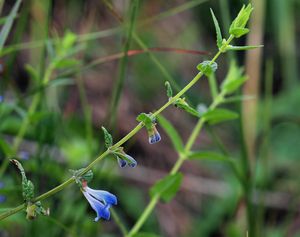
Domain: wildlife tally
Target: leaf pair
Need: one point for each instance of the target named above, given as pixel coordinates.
(237, 29)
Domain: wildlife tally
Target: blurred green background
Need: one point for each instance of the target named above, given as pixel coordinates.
(64, 131)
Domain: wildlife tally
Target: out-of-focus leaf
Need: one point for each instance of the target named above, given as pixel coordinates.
(61, 82)
(144, 234)
(219, 115)
(233, 99)
(32, 72)
(8, 24)
(172, 133)
(167, 187)
(5, 147)
(208, 155)
(234, 79)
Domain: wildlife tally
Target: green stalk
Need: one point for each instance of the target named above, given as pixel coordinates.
(119, 222)
(122, 141)
(213, 86)
(192, 138)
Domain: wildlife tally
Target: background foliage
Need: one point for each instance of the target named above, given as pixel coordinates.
(68, 56)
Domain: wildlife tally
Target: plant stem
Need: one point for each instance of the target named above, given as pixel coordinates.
(126, 138)
(154, 200)
(119, 222)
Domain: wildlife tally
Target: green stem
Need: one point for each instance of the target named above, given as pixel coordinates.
(154, 200)
(119, 222)
(146, 213)
(126, 138)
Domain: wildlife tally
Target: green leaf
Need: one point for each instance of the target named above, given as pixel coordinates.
(172, 133)
(182, 104)
(207, 67)
(232, 86)
(107, 138)
(61, 82)
(66, 63)
(218, 31)
(208, 155)
(219, 115)
(248, 47)
(27, 185)
(5, 148)
(238, 32)
(234, 79)
(233, 99)
(146, 119)
(32, 72)
(69, 40)
(8, 24)
(144, 234)
(169, 89)
(167, 187)
(237, 27)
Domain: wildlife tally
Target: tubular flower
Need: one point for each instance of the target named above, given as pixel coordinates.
(127, 160)
(99, 200)
(153, 135)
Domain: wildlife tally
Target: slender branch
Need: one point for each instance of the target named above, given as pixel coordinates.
(118, 144)
(182, 157)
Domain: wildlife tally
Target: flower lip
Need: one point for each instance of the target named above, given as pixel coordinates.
(154, 135)
(122, 163)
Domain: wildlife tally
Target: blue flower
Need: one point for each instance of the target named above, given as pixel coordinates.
(153, 135)
(127, 160)
(100, 201)
(1, 98)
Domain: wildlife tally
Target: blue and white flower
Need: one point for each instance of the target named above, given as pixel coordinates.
(99, 200)
(126, 160)
(153, 135)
